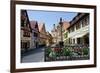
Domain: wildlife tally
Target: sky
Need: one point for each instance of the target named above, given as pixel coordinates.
(50, 17)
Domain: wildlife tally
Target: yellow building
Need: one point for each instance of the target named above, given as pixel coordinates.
(49, 41)
(42, 34)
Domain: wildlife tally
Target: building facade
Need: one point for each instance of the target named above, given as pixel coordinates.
(35, 34)
(78, 32)
(43, 34)
(49, 40)
(66, 25)
(56, 32)
(25, 31)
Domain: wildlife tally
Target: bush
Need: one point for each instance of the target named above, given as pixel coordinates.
(47, 51)
(52, 55)
(58, 51)
(66, 52)
(85, 51)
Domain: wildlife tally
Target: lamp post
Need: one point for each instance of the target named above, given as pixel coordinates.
(61, 41)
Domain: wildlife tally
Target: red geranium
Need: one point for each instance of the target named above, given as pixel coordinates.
(57, 49)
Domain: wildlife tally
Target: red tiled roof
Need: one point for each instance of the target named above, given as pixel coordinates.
(65, 25)
(33, 23)
(41, 27)
(33, 26)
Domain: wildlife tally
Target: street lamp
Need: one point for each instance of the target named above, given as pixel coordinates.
(61, 41)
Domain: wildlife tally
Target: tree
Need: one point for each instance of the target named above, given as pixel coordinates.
(65, 34)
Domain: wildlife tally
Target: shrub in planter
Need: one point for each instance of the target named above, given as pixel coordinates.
(85, 51)
(47, 51)
(66, 52)
(58, 54)
(52, 55)
(74, 54)
(58, 51)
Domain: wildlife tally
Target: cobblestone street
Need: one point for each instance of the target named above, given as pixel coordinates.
(36, 55)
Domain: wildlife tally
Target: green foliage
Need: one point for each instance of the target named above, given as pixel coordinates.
(59, 53)
(52, 54)
(86, 51)
(65, 34)
(47, 51)
(66, 52)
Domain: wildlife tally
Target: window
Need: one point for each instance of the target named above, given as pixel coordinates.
(35, 34)
(73, 41)
(85, 21)
(26, 33)
(78, 25)
(72, 29)
(78, 40)
(22, 23)
(69, 41)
